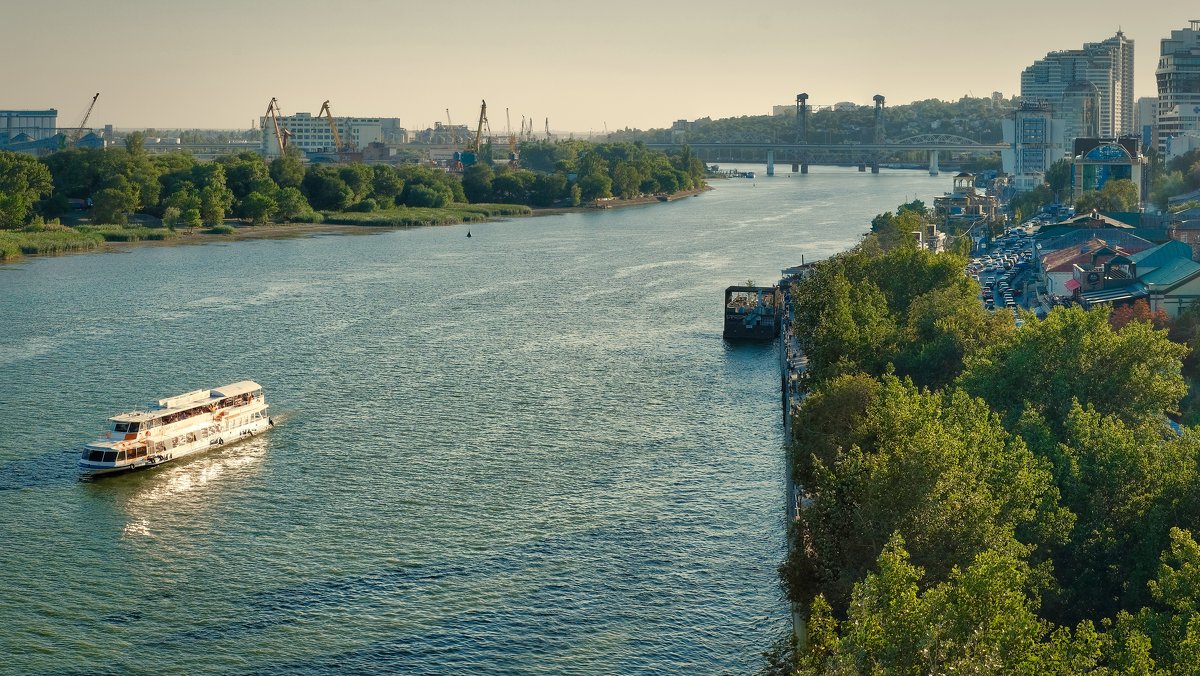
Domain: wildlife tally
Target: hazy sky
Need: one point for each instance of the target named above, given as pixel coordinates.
(216, 63)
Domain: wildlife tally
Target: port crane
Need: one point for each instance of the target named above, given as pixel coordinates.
(483, 122)
(512, 138)
(78, 134)
(450, 130)
(548, 137)
(281, 133)
(342, 149)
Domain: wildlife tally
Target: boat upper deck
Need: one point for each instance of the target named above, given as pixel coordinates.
(192, 400)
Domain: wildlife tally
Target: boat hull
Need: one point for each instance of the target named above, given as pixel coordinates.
(217, 440)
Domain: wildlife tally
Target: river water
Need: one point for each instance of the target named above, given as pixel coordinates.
(528, 451)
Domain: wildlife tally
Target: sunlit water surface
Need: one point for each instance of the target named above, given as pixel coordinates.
(526, 451)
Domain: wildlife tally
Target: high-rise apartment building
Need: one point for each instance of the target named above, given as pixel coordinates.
(1178, 77)
(1146, 119)
(1107, 65)
(1034, 136)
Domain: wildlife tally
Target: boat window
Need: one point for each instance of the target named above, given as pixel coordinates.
(120, 456)
(122, 427)
(96, 456)
(133, 427)
(110, 456)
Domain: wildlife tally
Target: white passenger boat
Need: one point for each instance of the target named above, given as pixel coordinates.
(180, 426)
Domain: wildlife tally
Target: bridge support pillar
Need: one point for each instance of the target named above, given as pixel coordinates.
(770, 163)
(862, 166)
(933, 163)
(804, 168)
(875, 167)
(795, 167)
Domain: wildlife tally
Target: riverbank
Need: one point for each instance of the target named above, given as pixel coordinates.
(620, 204)
(18, 244)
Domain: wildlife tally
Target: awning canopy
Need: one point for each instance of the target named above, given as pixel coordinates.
(1072, 284)
(1111, 295)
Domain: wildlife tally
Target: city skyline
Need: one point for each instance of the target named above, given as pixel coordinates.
(217, 65)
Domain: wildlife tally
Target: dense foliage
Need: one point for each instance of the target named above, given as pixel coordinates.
(184, 192)
(974, 118)
(983, 498)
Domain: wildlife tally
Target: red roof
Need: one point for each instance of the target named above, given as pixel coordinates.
(1072, 284)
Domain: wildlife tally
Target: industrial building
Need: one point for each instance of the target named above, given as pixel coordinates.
(313, 135)
(22, 126)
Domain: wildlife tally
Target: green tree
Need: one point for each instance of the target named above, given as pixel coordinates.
(512, 187)
(386, 185)
(477, 183)
(288, 170)
(291, 205)
(359, 178)
(937, 468)
(1028, 203)
(595, 186)
(23, 181)
(113, 203)
(1116, 195)
(1058, 177)
(259, 208)
(1075, 355)
(626, 181)
(982, 619)
(215, 202)
(192, 219)
(246, 173)
(1127, 484)
(548, 189)
(325, 189)
(424, 196)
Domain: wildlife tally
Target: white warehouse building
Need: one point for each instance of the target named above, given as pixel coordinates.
(312, 134)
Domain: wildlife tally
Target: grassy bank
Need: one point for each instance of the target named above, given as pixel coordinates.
(58, 239)
(419, 216)
(120, 233)
(17, 243)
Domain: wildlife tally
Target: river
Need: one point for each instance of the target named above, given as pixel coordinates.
(527, 451)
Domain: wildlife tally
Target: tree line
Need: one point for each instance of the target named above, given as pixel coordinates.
(986, 498)
(185, 192)
(975, 118)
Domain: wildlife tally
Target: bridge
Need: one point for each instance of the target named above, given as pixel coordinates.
(802, 153)
(863, 154)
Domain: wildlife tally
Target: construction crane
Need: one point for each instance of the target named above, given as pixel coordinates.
(450, 130)
(337, 138)
(548, 129)
(471, 154)
(281, 133)
(512, 138)
(83, 123)
(478, 140)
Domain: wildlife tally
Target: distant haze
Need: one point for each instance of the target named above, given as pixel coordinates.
(216, 63)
